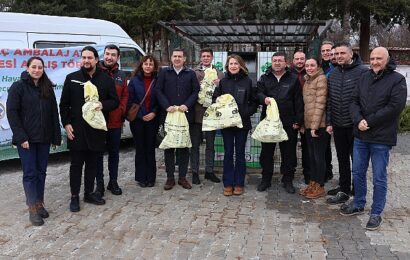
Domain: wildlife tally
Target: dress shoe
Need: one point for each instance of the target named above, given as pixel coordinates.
(195, 178)
(289, 187)
(228, 191)
(350, 209)
(100, 188)
(374, 222)
(212, 177)
(114, 188)
(339, 198)
(142, 184)
(307, 189)
(94, 198)
(35, 218)
(316, 192)
(333, 192)
(169, 184)
(150, 184)
(41, 210)
(75, 204)
(264, 185)
(238, 190)
(184, 183)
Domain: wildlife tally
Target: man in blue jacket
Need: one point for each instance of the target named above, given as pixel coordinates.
(378, 100)
(177, 86)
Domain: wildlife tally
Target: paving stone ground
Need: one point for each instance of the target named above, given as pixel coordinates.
(200, 223)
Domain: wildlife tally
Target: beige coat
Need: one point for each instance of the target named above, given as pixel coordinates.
(314, 97)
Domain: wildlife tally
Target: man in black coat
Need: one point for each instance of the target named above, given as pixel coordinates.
(341, 83)
(84, 142)
(284, 87)
(378, 100)
(177, 86)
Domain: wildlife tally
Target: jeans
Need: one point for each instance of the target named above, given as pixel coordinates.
(287, 153)
(145, 134)
(113, 147)
(34, 163)
(234, 142)
(317, 154)
(379, 154)
(343, 137)
(196, 139)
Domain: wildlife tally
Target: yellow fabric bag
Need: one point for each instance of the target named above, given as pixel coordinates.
(270, 129)
(207, 87)
(222, 114)
(92, 116)
(176, 131)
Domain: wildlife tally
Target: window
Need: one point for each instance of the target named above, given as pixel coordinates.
(129, 59)
(44, 45)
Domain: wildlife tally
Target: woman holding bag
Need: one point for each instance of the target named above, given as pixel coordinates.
(142, 114)
(237, 83)
(314, 97)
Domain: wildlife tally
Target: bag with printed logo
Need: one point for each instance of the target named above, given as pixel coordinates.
(222, 114)
(176, 131)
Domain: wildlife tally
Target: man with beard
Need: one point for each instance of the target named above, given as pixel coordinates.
(115, 121)
(341, 84)
(84, 142)
(298, 67)
(282, 85)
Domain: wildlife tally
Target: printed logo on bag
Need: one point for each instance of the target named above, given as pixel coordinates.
(235, 111)
(2, 111)
(218, 114)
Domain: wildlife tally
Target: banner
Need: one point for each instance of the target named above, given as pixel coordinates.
(57, 64)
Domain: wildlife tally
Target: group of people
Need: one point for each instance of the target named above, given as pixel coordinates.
(315, 98)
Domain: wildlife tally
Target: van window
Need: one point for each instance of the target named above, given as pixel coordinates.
(129, 59)
(44, 44)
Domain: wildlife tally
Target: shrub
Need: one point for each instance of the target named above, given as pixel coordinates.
(404, 125)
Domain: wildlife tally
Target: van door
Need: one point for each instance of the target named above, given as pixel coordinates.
(13, 40)
(46, 40)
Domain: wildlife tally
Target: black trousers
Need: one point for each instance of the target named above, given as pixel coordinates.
(287, 153)
(305, 157)
(145, 134)
(78, 159)
(344, 149)
(329, 166)
(317, 154)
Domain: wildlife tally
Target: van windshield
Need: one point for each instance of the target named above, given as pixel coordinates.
(129, 59)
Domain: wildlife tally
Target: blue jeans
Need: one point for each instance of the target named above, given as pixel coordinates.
(234, 141)
(379, 154)
(113, 147)
(34, 163)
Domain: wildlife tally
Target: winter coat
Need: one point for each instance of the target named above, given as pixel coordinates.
(136, 90)
(72, 100)
(314, 97)
(240, 87)
(117, 116)
(199, 109)
(286, 92)
(177, 89)
(31, 117)
(341, 83)
(379, 99)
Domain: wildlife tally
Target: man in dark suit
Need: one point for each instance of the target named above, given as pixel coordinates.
(84, 142)
(177, 86)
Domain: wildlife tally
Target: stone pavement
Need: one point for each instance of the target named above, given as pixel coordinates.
(200, 223)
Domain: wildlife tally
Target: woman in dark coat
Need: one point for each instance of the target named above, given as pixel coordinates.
(144, 127)
(33, 117)
(237, 83)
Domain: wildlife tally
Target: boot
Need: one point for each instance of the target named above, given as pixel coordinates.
(307, 189)
(316, 192)
(75, 203)
(195, 178)
(212, 177)
(41, 210)
(35, 218)
(100, 188)
(114, 188)
(228, 191)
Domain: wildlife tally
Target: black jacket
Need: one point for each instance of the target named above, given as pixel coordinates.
(379, 99)
(32, 118)
(287, 94)
(240, 87)
(72, 100)
(174, 89)
(341, 83)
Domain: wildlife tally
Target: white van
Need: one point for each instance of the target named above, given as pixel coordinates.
(31, 31)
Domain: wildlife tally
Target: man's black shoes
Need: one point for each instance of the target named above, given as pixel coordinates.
(212, 177)
(264, 185)
(339, 198)
(350, 210)
(114, 188)
(100, 188)
(374, 222)
(289, 187)
(195, 178)
(94, 198)
(75, 204)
